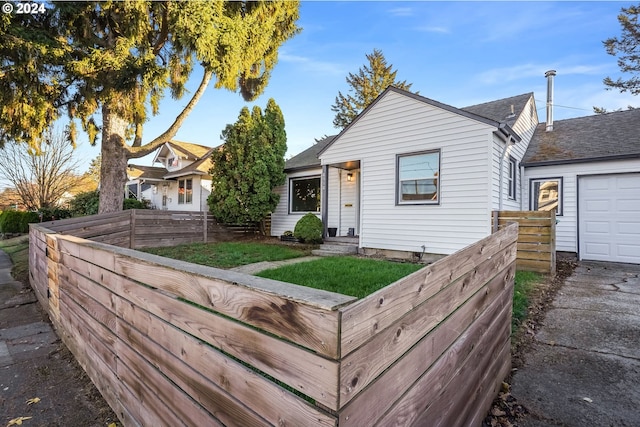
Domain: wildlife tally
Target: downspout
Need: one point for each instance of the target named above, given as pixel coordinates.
(324, 200)
(508, 142)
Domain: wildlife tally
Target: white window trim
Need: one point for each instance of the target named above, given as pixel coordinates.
(184, 202)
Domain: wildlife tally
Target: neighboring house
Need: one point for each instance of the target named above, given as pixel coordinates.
(588, 169)
(411, 174)
(181, 183)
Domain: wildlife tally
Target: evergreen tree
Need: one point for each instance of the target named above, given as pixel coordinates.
(248, 166)
(106, 63)
(370, 82)
(627, 48)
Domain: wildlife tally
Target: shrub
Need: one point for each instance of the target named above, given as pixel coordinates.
(136, 204)
(85, 203)
(309, 229)
(17, 222)
(51, 214)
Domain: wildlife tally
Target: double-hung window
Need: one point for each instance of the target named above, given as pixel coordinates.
(304, 194)
(418, 178)
(185, 191)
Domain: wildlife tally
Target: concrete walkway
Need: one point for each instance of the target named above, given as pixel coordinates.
(267, 265)
(584, 368)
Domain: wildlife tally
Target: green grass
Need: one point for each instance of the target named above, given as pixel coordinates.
(352, 276)
(18, 250)
(525, 284)
(229, 254)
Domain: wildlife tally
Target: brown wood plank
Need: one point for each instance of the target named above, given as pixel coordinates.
(533, 265)
(537, 222)
(524, 214)
(365, 364)
(158, 402)
(88, 333)
(433, 395)
(542, 231)
(275, 404)
(535, 247)
(98, 226)
(371, 403)
(371, 315)
(533, 255)
(302, 370)
(231, 293)
(530, 238)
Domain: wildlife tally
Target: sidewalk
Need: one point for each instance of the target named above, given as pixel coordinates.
(40, 381)
(267, 265)
(584, 367)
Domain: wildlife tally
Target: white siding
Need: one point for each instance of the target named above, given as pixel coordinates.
(281, 219)
(398, 124)
(201, 190)
(524, 127)
(567, 227)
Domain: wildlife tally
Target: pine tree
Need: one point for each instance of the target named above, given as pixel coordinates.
(370, 82)
(107, 63)
(248, 166)
(628, 49)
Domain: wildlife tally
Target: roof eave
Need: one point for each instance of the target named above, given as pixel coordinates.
(581, 160)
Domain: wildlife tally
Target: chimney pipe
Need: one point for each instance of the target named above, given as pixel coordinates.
(549, 75)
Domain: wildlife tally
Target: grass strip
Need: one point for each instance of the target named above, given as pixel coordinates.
(229, 254)
(357, 277)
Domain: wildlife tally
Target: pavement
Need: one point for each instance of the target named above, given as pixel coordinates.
(268, 265)
(584, 366)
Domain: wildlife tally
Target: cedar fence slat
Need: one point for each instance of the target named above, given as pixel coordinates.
(172, 343)
(536, 238)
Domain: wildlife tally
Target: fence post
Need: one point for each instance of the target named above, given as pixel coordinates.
(205, 223)
(494, 227)
(132, 237)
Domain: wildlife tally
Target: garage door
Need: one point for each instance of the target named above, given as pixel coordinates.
(609, 217)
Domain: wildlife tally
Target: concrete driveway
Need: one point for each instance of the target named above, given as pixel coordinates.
(584, 368)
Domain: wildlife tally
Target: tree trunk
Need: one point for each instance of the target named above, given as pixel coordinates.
(113, 171)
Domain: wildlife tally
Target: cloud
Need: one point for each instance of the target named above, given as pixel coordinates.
(525, 71)
(434, 29)
(401, 11)
(313, 65)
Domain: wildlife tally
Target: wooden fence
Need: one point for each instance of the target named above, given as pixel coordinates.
(536, 238)
(140, 228)
(172, 343)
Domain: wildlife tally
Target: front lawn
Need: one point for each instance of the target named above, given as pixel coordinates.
(525, 285)
(357, 277)
(229, 254)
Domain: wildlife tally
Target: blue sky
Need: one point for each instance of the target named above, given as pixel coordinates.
(458, 53)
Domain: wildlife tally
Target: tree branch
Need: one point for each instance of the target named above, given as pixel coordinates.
(137, 152)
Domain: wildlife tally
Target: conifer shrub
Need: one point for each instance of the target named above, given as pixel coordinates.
(17, 221)
(309, 229)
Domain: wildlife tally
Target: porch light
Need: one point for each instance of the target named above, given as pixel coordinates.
(349, 177)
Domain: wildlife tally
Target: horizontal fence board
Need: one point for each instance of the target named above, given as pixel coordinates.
(84, 220)
(536, 238)
(373, 314)
(431, 397)
(276, 404)
(370, 405)
(309, 326)
(161, 362)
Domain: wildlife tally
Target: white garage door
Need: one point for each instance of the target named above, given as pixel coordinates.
(609, 217)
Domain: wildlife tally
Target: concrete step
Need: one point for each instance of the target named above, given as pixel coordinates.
(342, 248)
(322, 252)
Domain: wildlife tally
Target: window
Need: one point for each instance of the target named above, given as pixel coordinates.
(546, 195)
(418, 178)
(185, 191)
(512, 178)
(304, 194)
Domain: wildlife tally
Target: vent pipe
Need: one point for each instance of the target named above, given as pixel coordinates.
(550, 75)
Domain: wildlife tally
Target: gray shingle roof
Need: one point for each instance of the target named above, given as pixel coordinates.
(500, 110)
(309, 157)
(591, 138)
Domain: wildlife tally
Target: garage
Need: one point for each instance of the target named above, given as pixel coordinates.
(609, 217)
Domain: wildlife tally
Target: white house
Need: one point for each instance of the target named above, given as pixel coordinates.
(588, 169)
(181, 183)
(411, 174)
